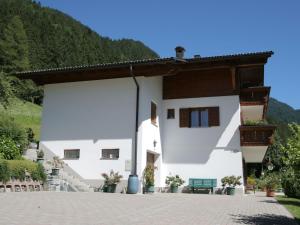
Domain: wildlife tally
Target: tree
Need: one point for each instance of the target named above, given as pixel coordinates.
(5, 90)
(14, 51)
(8, 149)
(291, 162)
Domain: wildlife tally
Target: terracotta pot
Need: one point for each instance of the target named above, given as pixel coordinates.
(270, 193)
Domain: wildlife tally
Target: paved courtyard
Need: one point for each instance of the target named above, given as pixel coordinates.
(50, 208)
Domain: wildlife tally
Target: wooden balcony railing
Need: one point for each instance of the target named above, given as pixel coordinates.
(258, 135)
(254, 95)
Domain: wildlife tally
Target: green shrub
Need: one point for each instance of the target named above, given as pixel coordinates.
(4, 171)
(38, 174)
(149, 175)
(272, 181)
(12, 130)
(174, 181)
(9, 149)
(291, 183)
(231, 181)
(18, 167)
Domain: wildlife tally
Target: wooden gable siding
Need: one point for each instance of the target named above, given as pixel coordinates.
(199, 83)
(251, 76)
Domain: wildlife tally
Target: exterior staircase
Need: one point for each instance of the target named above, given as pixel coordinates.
(67, 180)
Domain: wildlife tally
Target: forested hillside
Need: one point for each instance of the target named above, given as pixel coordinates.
(282, 112)
(49, 38)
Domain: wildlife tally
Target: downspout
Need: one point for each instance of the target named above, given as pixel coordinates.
(133, 180)
(136, 120)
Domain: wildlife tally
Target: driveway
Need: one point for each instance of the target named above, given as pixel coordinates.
(51, 208)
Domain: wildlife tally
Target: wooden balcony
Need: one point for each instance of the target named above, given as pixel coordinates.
(256, 135)
(254, 95)
(254, 103)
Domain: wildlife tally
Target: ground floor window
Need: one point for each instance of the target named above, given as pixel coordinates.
(71, 153)
(110, 154)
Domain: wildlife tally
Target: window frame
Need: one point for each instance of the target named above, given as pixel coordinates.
(200, 117)
(69, 150)
(110, 149)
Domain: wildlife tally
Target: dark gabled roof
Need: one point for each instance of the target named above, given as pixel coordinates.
(54, 75)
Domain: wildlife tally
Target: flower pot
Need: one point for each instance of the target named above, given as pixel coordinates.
(230, 190)
(149, 189)
(104, 188)
(40, 160)
(270, 193)
(111, 188)
(174, 189)
(55, 171)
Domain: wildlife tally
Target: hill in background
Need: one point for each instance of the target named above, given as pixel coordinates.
(282, 112)
(54, 39)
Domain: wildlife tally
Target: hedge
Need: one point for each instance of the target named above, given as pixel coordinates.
(16, 169)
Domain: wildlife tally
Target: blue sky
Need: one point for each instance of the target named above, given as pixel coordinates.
(213, 27)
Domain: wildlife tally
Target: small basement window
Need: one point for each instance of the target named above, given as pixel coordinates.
(71, 153)
(171, 114)
(110, 154)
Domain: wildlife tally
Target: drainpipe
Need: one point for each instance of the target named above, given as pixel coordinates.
(133, 181)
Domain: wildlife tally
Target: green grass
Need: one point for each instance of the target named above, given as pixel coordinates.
(26, 114)
(292, 205)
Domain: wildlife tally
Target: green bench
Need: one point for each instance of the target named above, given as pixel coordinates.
(197, 183)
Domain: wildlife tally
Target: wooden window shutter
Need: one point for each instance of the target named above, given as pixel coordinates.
(184, 117)
(214, 116)
(153, 113)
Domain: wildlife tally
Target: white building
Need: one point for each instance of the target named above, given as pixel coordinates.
(191, 116)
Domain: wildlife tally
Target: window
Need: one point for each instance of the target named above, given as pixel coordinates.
(71, 153)
(199, 117)
(110, 154)
(153, 113)
(171, 114)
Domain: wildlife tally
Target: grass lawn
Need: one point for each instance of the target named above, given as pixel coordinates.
(26, 114)
(292, 205)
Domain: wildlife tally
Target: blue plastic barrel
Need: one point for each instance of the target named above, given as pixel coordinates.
(133, 184)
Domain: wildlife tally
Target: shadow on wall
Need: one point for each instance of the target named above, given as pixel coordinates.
(264, 219)
(198, 145)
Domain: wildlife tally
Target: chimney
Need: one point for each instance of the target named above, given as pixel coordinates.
(179, 52)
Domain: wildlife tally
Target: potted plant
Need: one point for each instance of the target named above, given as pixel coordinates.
(110, 181)
(57, 164)
(149, 179)
(230, 182)
(40, 156)
(271, 181)
(174, 182)
(251, 184)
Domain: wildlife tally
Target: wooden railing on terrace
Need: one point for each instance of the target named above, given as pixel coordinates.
(254, 95)
(256, 135)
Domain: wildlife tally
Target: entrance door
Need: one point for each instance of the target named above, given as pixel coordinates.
(150, 159)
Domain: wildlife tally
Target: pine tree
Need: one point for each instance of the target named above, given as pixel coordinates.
(14, 47)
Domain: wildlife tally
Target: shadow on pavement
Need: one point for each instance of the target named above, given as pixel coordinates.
(264, 219)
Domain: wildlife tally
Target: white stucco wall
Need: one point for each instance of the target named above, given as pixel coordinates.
(151, 90)
(90, 116)
(212, 152)
(95, 115)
